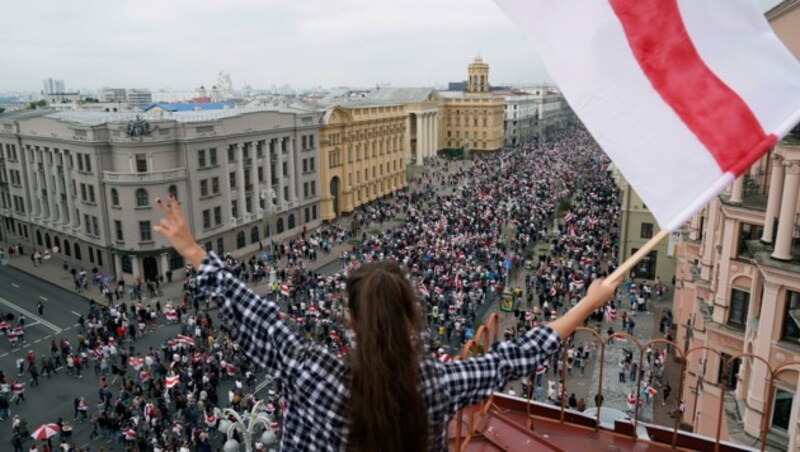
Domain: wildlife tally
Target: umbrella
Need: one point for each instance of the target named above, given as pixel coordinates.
(45, 431)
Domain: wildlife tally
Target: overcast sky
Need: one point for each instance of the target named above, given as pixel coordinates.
(182, 44)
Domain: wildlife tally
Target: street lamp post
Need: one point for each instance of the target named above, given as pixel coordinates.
(231, 421)
(270, 211)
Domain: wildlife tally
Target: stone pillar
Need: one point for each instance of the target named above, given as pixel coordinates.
(786, 223)
(70, 196)
(774, 201)
(164, 265)
(418, 150)
(407, 141)
(268, 175)
(117, 266)
(51, 199)
(738, 190)
(135, 266)
(759, 377)
(293, 179)
(432, 138)
(57, 183)
(256, 193)
(30, 157)
(226, 189)
(40, 184)
(279, 169)
(240, 179)
(435, 134)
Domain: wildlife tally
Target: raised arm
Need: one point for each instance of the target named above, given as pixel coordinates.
(254, 322)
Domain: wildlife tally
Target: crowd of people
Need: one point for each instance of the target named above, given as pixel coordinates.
(460, 230)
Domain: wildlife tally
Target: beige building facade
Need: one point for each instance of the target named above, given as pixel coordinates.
(363, 154)
(637, 227)
(85, 183)
(472, 119)
(738, 293)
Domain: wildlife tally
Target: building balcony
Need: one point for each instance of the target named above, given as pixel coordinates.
(151, 177)
(762, 255)
(522, 423)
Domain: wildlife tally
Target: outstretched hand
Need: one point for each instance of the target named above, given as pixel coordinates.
(601, 291)
(174, 227)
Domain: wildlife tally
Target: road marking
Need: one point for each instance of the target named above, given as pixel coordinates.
(76, 313)
(43, 298)
(37, 341)
(31, 315)
(15, 285)
(31, 324)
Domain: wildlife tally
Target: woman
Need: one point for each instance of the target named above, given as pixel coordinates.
(391, 396)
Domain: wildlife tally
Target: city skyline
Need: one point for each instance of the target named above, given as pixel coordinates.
(182, 45)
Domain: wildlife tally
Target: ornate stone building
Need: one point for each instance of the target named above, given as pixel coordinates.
(85, 182)
(738, 292)
(363, 150)
(472, 119)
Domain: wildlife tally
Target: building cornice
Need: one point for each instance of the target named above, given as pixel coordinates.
(781, 8)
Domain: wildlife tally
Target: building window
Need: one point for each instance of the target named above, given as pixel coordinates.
(647, 231)
(314, 212)
(733, 371)
(646, 268)
(279, 226)
(305, 189)
(204, 188)
(173, 190)
(215, 185)
(291, 221)
(114, 197)
(77, 250)
(201, 158)
(145, 232)
(91, 194)
(234, 209)
(141, 163)
(311, 164)
(306, 215)
(748, 232)
(217, 216)
(311, 141)
(791, 322)
(240, 243)
(91, 254)
(127, 264)
(88, 163)
(781, 411)
(221, 246)
(206, 219)
(232, 178)
(142, 198)
(118, 230)
(313, 188)
(254, 235)
(740, 301)
(212, 156)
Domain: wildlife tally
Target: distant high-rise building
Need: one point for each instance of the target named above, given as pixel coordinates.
(113, 95)
(53, 86)
(139, 97)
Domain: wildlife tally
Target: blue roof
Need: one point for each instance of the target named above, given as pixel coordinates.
(189, 106)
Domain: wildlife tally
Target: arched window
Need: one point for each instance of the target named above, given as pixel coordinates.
(173, 190)
(48, 244)
(39, 238)
(240, 239)
(77, 252)
(291, 221)
(279, 225)
(114, 197)
(141, 198)
(266, 231)
(254, 234)
(67, 248)
(127, 264)
(56, 243)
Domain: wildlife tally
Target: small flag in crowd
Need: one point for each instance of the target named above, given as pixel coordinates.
(661, 86)
(424, 290)
(182, 339)
(130, 434)
(652, 391)
(285, 290)
(172, 381)
(136, 362)
(611, 313)
(211, 419)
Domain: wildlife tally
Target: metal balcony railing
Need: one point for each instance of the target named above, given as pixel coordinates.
(471, 417)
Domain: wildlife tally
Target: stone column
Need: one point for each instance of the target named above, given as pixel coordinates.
(256, 194)
(135, 266)
(435, 117)
(57, 183)
(40, 184)
(226, 189)
(738, 190)
(293, 179)
(70, 196)
(164, 264)
(774, 201)
(117, 266)
(757, 391)
(786, 223)
(268, 174)
(432, 135)
(30, 158)
(418, 150)
(51, 201)
(279, 169)
(240, 179)
(407, 141)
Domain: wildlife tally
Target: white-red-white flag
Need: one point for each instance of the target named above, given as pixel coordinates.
(683, 95)
(172, 380)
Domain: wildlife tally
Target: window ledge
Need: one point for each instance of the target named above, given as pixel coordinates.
(143, 207)
(793, 347)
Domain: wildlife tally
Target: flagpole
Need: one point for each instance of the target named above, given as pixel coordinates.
(639, 255)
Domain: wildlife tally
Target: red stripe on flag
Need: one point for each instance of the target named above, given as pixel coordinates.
(717, 116)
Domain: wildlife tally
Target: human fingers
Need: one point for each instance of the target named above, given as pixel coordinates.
(164, 208)
(173, 203)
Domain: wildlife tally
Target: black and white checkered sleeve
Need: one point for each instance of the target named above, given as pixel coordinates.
(253, 321)
(467, 382)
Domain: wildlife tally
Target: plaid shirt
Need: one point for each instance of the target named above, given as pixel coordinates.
(317, 385)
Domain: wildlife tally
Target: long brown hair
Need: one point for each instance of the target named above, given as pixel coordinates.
(387, 411)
